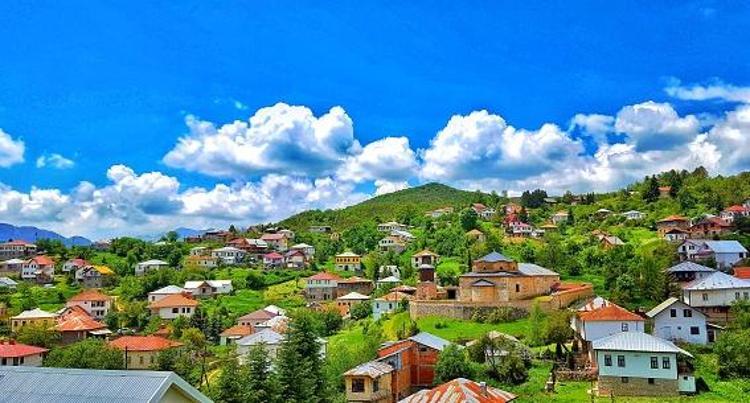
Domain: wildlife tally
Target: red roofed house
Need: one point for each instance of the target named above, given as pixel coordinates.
(39, 268)
(74, 264)
(461, 390)
(75, 324)
(742, 272)
(16, 249)
(273, 260)
(172, 306)
(734, 212)
(234, 333)
(93, 302)
(279, 241)
(141, 351)
(710, 227)
(602, 318)
(322, 286)
(15, 354)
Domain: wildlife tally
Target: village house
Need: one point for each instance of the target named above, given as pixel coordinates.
(484, 212)
(724, 253)
(94, 276)
(496, 278)
(461, 390)
(391, 226)
(675, 320)
(392, 244)
(561, 217)
(403, 236)
(714, 295)
(216, 236)
(229, 255)
(166, 291)
(610, 241)
(687, 271)
(388, 303)
(319, 229)
(601, 318)
(249, 245)
(348, 261)
(676, 235)
(257, 318)
(633, 215)
(638, 364)
(345, 303)
(12, 266)
(308, 250)
(202, 261)
(199, 251)
(369, 382)
(273, 260)
(141, 352)
(437, 213)
(424, 257)
(74, 264)
(75, 324)
(16, 249)
(321, 286)
(668, 223)
(354, 284)
(17, 354)
(267, 338)
(731, 213)
(278, 242)
(35, 317)
(208, 288)
(173, 306)
(710, 227)
(93, 302)
(234, 333)
(476, 235)
(295, 259)
(39, 268)
(150, 265)
(520, 229)
(388, 282)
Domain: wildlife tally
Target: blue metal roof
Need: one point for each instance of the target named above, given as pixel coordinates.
(493, 257)
(430, 340)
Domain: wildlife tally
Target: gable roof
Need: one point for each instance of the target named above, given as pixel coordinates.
(460, 390)
(237, 330)
(76, 319)
(389, 279)
(637, 341)
(609, 312)
(170, 289)
(666, 304)
(425, 252)
(68, 385)
(35, 313)
(372, 369)
(324, 275)
(673, 217)
(394, 296)
(11, 349)
(688, 266)
(531, 269)
(430, 340)
(347, 254)
(717, 281)
(143, 343)
(43, 260)
(173, 300)
(266, 336)
(354, 295)
(260, 314)
(354, 280)
(725, 246)
(91, 294)
(494, 257)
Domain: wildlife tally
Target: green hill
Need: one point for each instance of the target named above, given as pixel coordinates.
(401, 205)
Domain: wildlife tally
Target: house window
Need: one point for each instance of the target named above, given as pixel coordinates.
(654, 362)
(518, 288)
(375, 385)
(624, 327)
(607, 360)
(650, 381)
(704, 296)
(175, 310)
(695, 330)
(687, 313)
(737, 295)
(624, 379)
(665, 363)
(673, 313)
(358, 385)
(620, 360)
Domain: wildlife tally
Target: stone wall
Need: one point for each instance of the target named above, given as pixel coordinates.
(614, 386)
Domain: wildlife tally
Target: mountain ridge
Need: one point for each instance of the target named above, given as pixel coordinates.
(32, 234)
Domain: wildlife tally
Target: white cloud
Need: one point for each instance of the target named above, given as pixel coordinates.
(715, 90)
(656, 126)
(54, 160)
(387, 159)
(383, 187)
(279, 139)
(596, 125)
(11, 151)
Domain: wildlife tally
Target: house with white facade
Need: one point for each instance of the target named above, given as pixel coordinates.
(229, 255)
(560, 217)
(150, 265)
(156, 295)
(391, 226)
(675, 320)
(308, 250)
(714, 295)
(633, 215)
(173, 306)
(731, 213)
(208, 288)
(388, 303)
(601, 318)
(38, 266)
(688, 271)
(724, 253)
(74, 264)
(639, 364)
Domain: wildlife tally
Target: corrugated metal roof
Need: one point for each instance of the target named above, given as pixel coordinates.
(493, 257)
(725, 246)
(430, 340)
(65, 385)
(637, 341)
(266, 336)
(689, 267)
(717, 281)
(531, 269)
(669, 302)
(170, 289)
(372, 369)
(460, 390)
(35, 313)
(354, 295)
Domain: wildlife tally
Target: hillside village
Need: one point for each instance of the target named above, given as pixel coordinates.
(426, 294)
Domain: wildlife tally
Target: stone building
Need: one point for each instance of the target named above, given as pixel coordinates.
(496, 278)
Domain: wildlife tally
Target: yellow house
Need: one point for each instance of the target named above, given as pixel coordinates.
(141, 351)
(348, 261)
(32, 317)
(369, 382)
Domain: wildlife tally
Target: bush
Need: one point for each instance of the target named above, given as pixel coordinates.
(361, 310)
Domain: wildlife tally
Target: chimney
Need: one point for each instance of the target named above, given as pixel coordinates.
(483, 388)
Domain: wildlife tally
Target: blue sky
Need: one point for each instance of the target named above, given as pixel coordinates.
(87, 86)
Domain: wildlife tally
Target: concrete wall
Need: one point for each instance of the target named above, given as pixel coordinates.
(678, 328)
(637, 364)
(724, 297)
(599, 329)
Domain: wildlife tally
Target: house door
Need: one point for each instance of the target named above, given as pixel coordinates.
(711, 335)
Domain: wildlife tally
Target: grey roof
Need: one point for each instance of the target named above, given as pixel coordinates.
(390, 279)
(482, 283)
(689, 267)
(370, 369)
(717, 281)
(531, 269)
(726, 246)
(637, 341)
(354, 295)
(66, 385)
(493, 257)
(430, 340)
(667, 303)
(7, 282)
(266, 336)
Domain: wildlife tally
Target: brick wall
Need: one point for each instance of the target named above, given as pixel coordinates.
(613, 386)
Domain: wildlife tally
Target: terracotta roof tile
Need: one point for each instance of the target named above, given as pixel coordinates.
(237, 330)
(610, 312)
(89, 295)
(12, 349)
(742, 272)
(173, 300)
(324, 275)
(461, 390)
(143, 343)
(76, 319)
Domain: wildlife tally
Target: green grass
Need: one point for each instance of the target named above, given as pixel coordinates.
(286, 295)
(462, 330)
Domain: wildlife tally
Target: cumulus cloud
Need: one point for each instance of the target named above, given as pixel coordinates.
(596, 125)
(54, 160)
(279, 139)
(388, 159)
(717, 90)
(656, 126)
(11, 151)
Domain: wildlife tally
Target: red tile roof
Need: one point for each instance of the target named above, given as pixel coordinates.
(742, 272)
(237, 330)
(143, 343)
(260, 314)
(11, 349)
(324, 275)
(89, 295)
(273, 255)
(610, 312)
(43, 260)
(461, 390)
(173, 300)
(76, 319)
(736, 209)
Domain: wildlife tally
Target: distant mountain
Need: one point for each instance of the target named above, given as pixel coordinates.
(32, 234)
(408, 202)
